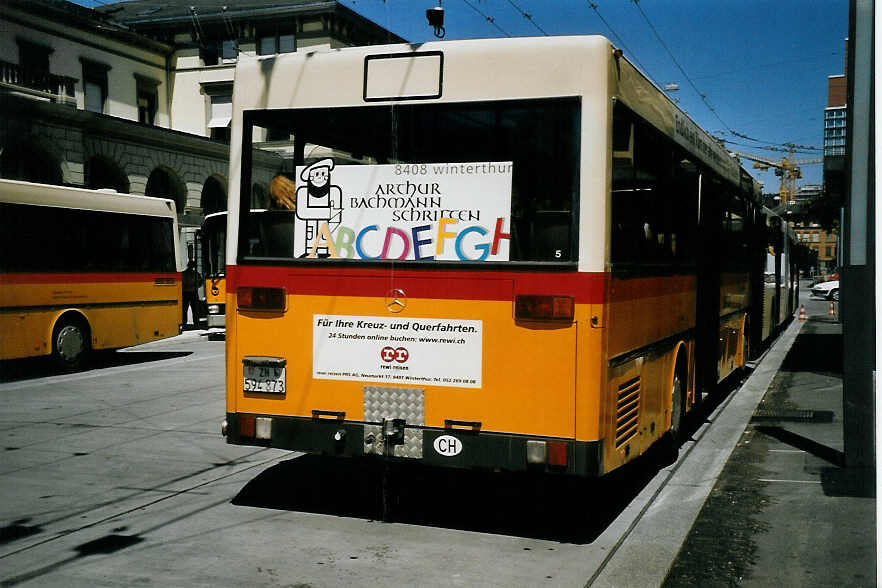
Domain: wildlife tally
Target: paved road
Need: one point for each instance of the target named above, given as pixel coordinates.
(117, 476)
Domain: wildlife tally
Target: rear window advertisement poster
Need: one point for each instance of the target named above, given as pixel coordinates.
(429, 211)
(398, 350)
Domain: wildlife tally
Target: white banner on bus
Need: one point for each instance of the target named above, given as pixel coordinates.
(422, 351)
(442, 211)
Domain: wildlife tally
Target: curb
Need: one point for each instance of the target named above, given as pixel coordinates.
(672, 500)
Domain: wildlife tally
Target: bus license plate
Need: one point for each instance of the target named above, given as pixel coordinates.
(264, 379)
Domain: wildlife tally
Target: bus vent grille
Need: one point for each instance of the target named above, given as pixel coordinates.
(627, 411)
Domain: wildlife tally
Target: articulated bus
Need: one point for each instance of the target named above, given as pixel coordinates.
(84, 270)
(781, 278)
(512, 254)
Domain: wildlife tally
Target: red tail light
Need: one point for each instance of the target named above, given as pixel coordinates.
(261, 298)
(545, 308)
(247, 425)
(557, 453)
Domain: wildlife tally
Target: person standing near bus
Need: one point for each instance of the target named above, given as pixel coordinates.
(190, 296)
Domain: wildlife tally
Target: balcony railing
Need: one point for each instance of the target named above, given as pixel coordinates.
(37, 83)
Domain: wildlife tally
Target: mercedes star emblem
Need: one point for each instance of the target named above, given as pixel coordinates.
(396, 300)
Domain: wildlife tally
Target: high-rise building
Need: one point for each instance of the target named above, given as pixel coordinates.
(835, 140)
(834, 116)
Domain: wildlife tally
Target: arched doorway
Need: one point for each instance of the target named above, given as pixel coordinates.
(214, 196)
(103, 173)
(162, 183)
(29, 162)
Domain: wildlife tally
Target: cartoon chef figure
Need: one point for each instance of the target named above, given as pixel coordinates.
(316, 201)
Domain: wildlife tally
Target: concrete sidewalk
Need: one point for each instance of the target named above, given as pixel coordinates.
(784, 511)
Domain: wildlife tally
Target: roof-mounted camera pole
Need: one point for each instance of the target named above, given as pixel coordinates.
(435, 16)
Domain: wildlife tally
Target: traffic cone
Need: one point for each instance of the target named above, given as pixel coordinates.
(802, 312)
(832, 311)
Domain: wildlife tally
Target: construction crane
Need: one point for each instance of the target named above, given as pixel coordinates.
(786, 168)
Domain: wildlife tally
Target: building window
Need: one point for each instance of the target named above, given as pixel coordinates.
(218, 109)
(229, 50)
(147, 94)
(33, 57)
(816, 237)
(220, 116)
(94, 85)
(219, 51)
(828, 251)
(272, 40)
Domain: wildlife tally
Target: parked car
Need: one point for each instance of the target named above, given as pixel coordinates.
(821, 278)
(827, 290)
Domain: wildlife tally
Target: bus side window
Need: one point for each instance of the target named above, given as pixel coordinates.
(551, 236)
(654, 195)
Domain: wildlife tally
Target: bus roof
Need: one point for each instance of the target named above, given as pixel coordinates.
(458, 71)
(17, 192)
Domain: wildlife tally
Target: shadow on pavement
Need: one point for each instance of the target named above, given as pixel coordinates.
(40, 367)
(18, 530)
(828, 454)
(557, 508)
(815, 352)
(851, 482)
(105, 545)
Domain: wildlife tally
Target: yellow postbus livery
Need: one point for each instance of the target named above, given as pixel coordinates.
(506, 254)
(213, 240)
(84, 270)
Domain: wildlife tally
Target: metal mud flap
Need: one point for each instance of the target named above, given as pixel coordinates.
(383, 404)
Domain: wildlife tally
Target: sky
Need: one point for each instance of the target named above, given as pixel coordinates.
(752, 72)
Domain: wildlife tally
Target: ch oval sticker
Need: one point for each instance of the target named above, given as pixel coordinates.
(447, 445)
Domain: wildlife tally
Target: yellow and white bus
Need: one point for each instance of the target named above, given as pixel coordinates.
(85, 270)
(781, 279)
(212, 244)
(509, 254)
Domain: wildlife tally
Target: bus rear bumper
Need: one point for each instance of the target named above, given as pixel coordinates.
(458, 448)
(216, 321)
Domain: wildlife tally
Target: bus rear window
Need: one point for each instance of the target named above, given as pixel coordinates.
(464, 183)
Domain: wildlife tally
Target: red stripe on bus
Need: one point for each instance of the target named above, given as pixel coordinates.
(81, 278)
(586, 288)
(627, 289)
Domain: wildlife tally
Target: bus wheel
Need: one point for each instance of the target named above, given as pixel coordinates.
(70, 343)
(678, 408)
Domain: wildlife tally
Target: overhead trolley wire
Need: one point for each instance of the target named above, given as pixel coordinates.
(528, 17)
(489, 19)
(773, 146)
(682, 71)
(803, 149)
(631, 54)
